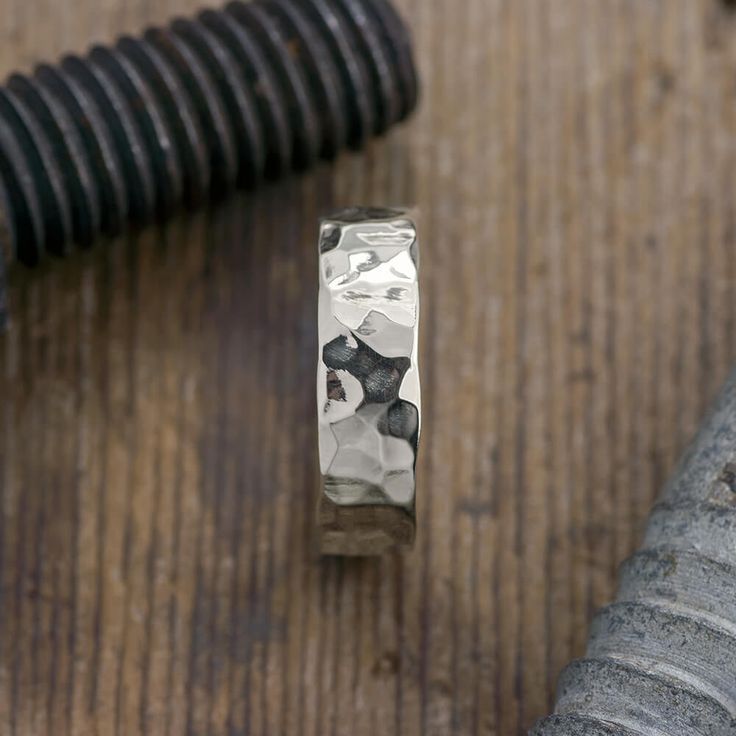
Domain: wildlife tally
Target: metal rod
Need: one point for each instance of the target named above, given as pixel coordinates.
(661, 659)
(179, 114)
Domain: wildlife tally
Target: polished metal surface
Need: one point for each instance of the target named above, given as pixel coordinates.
(368, 396)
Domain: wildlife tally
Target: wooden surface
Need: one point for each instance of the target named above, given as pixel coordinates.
(575, 163)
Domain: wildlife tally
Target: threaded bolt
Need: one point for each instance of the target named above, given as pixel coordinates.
(180, 114)
(662, 658)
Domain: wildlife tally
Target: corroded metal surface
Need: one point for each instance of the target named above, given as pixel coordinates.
(662, 658)
(368, 396)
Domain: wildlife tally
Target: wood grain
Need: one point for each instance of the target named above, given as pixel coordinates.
(575, 166)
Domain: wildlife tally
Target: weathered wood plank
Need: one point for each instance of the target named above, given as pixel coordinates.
(574, 164)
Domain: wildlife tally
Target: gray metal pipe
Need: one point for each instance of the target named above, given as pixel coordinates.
(661, 659)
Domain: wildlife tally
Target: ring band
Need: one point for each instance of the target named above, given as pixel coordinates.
(368, 395)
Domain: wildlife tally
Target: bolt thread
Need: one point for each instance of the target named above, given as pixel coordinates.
(187, 112)
(662, 658)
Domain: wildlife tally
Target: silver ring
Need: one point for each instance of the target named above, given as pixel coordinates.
(368, 395)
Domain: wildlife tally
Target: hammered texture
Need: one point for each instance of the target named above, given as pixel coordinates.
(367, 380)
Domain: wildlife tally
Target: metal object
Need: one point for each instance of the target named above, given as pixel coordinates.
(186, 112)
(661, 660)
(368, 397)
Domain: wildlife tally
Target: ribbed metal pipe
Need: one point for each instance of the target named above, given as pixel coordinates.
(661, 660)
(129, 132)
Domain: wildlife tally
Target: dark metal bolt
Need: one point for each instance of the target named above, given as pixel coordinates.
(186, 112)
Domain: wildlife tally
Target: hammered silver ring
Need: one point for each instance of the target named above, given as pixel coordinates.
(368, 393)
